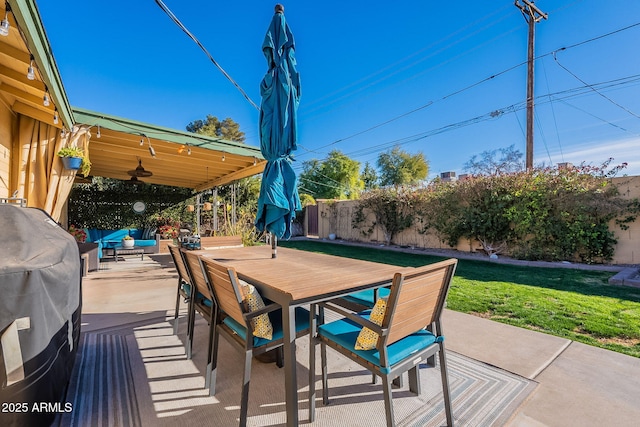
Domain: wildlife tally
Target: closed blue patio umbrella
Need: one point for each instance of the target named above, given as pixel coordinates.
(280, 91)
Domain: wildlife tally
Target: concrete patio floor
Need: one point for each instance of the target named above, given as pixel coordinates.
(578, 385)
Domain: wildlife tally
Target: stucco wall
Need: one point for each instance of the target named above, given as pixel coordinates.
(627, 250)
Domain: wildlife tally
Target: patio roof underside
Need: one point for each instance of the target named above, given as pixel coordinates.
(213, 162)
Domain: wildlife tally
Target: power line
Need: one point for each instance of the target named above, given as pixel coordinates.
(192, 37)
(594, 89)
(430, 103)
(569, 93)
(553, 112)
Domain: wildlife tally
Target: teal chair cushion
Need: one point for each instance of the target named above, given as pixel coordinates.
(345, 332)
(302, 323)
(186, 288)
(206, 301)
(365, 298)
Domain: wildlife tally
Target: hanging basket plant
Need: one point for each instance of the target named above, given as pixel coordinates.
(73, 158)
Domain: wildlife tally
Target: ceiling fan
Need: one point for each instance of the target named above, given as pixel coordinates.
(134, 181)
(139, 172)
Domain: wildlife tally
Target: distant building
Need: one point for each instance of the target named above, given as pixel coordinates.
(448, 176)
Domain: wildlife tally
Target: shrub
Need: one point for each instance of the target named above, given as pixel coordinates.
(543, 214)
(391, 208)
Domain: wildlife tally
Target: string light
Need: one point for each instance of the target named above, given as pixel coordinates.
(31, 75)
(98, 133)
(188, 151)
(141, 142)
(223, 159)
(45, 99)
(4, 25)
(255, 161)
(55, 116)
(151, 150)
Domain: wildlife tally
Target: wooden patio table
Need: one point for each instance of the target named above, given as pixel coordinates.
(297, 278)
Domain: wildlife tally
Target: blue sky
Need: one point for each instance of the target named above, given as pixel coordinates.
(374, 74)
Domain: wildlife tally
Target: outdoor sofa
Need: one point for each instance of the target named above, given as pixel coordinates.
(111, 239)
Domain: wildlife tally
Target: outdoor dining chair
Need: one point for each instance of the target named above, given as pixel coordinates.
(202, 302)
(242, 320)
(184, 285)
(393, 337)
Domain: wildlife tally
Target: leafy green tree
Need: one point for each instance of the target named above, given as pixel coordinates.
(397, 167)
(336, 177)
(211, 126)
(369, 177)
(306, 200)
(495, 162)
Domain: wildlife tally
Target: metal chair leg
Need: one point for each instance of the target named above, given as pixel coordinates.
(414, 379)
(312, 362)
(325, 385)
(279, 357)
(190, 328)
(445, 386)
(245, 388)
(388, 400)
(212, 327)
(213, 366)
(175, 317)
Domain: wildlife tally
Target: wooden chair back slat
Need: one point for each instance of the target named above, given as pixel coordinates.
(212, 242)
(179, 262)
(417, 299)
(228, 297)
(197, 275)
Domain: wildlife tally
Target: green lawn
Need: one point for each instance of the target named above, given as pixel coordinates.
(570, 303)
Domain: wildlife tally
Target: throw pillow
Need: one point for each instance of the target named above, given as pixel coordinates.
(262, 327)
(367, 339)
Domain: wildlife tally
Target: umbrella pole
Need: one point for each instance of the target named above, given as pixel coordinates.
(274, 246)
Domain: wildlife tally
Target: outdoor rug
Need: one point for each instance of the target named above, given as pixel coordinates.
(138, 375)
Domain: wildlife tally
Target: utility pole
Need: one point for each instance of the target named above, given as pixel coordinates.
(532, 15)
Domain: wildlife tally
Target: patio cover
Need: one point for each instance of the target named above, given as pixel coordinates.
(212, 162)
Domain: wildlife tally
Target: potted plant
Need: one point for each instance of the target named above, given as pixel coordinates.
(127, 242)
(73, 158)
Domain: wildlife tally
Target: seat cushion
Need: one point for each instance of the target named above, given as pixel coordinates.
(365, 298)
(302, 323)
(186, 288)
(345, 332)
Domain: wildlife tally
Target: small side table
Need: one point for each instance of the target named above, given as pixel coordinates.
(136, 250)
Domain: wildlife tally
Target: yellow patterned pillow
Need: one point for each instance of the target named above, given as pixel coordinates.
(367, 339)
(261, 324)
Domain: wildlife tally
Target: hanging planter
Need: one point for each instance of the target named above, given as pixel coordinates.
(73, 163)
(73, 159)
